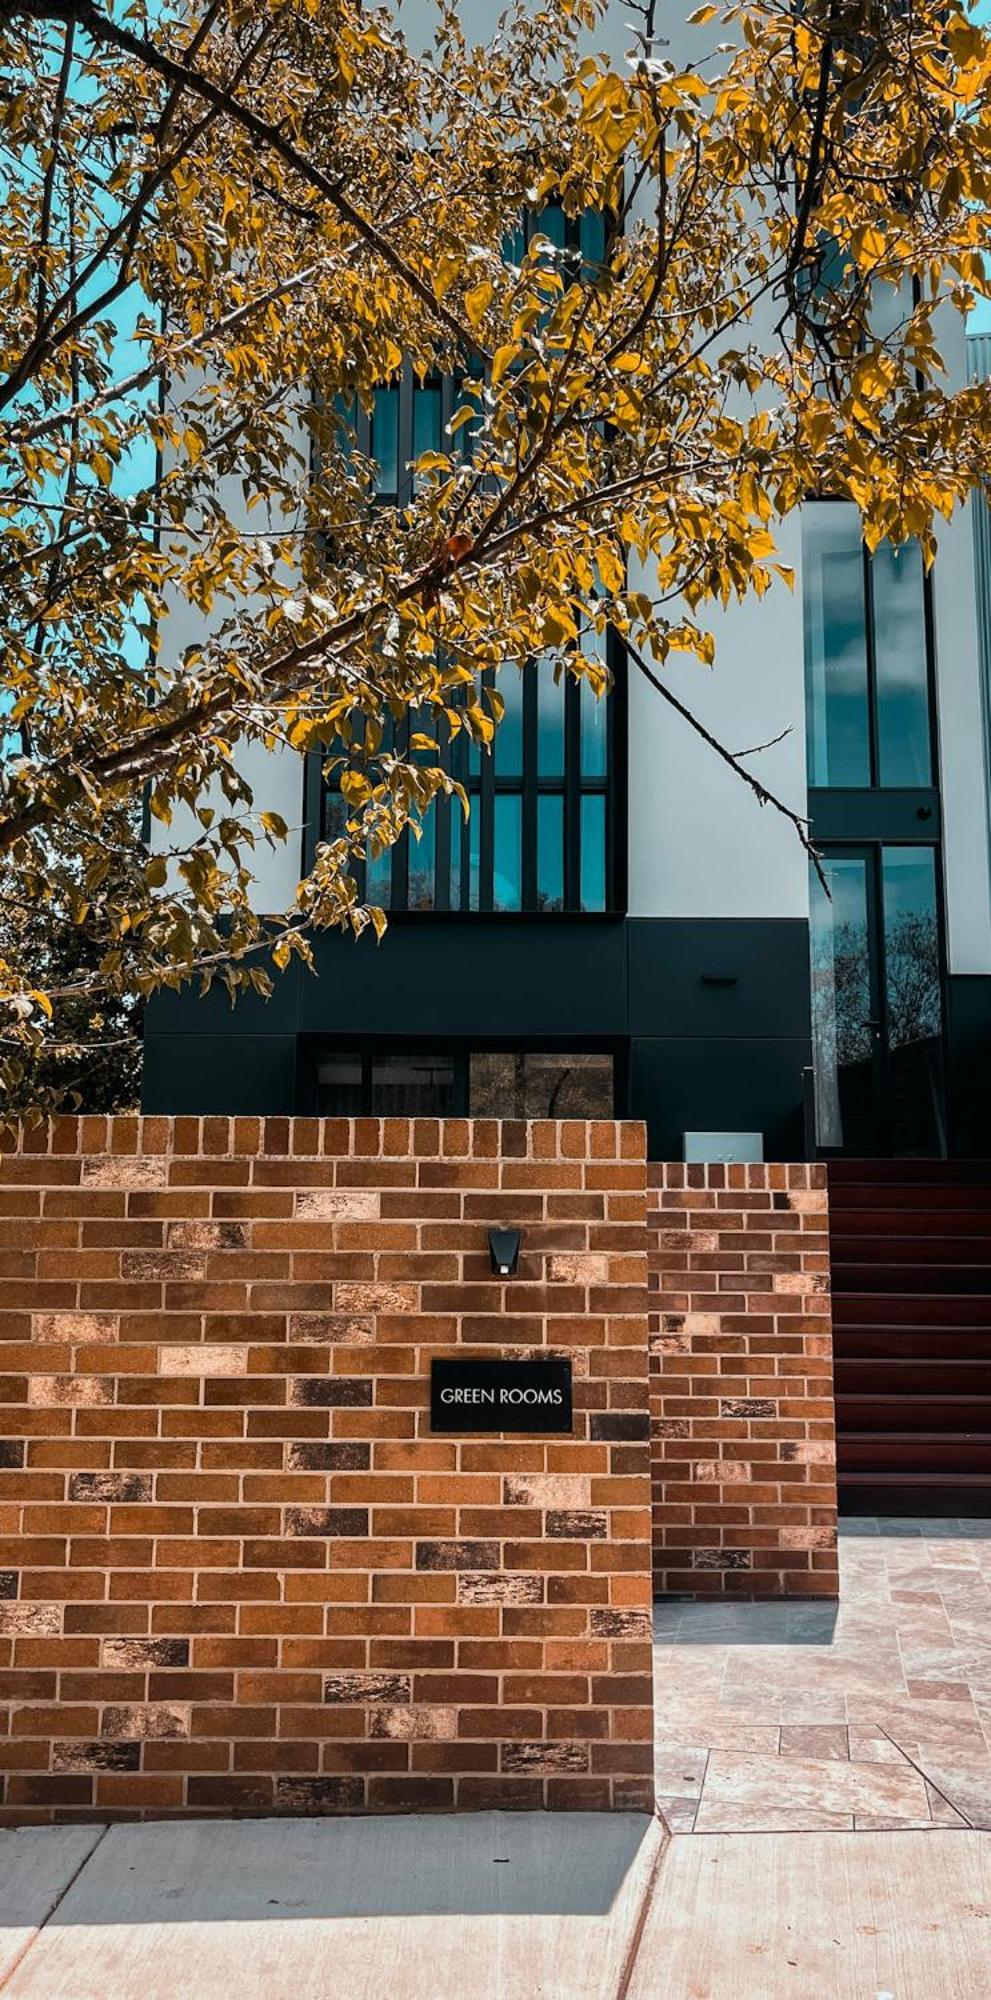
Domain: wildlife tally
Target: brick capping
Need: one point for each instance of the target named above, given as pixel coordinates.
(237, 1572)
(743, 1437)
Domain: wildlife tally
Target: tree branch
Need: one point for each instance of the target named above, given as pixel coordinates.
(763, 796)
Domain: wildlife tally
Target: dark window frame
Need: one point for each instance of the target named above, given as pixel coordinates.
(875, 784)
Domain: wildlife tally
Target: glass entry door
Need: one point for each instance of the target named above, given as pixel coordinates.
(877, 1008)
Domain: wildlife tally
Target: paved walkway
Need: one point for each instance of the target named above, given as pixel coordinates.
(870, 1717)
(828, 1779)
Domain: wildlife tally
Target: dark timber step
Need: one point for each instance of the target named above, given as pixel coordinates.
(935, 1346)
(908, 1414)
(899, 1378)
(886, 1222)
(910, 1252)
(892, 1279)
(939, 1250)
(907, 1173)
(896, 1494)
(927, 1452)
(910, 1308)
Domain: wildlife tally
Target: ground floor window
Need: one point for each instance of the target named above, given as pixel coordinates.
(481, 1083)
(877, 999)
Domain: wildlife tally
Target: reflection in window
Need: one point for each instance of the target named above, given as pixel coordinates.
(877, 1001)
(866, 656)
(384, 1084)
(409, 1086)
(911, 945)
(835, 646)
(842, 1007)
(524, 1084)
(902, 665)
(339, 1093)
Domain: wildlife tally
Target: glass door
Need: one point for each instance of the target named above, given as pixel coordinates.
(877, 1006)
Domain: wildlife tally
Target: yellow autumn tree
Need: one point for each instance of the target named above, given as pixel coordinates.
(227, 228)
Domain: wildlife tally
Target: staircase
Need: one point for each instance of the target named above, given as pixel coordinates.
(910, 1245)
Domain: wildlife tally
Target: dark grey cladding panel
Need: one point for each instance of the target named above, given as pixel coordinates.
(483, 977)
(719, 976)
(471, 978)
(969, 1066)
(233, 1073)
(701, 1084)
(190, 1012)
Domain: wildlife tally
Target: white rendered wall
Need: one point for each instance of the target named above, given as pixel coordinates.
(700, 843)
(276, 777)
(961, 721)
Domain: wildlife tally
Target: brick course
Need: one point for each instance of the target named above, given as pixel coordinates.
(743, 1432)
(237, 1573)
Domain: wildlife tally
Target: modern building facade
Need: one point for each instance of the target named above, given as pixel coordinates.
(620, 926)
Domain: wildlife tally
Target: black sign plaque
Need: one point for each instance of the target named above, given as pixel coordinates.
(530, 1396)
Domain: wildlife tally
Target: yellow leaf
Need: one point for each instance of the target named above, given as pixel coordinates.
(478, 301)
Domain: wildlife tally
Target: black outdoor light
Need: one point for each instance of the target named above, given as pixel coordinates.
(504, 1251)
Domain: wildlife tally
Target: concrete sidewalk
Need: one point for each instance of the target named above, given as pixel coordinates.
(496, 1906)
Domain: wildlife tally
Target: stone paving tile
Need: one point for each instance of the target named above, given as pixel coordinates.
(872, 1715)
(815, 1784)
(828, 1739)
(714, 1818)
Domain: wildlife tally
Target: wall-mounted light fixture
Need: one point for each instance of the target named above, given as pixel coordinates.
(504, 1251)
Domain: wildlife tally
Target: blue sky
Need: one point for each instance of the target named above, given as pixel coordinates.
(980, 318)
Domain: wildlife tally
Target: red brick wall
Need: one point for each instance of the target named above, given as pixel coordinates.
(743, 1434)
(237, 1573)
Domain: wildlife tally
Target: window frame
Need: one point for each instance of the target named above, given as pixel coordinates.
(483, 787)
(370, 1048)
(875, 789)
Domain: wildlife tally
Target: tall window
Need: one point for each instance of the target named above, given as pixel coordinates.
(866, 656)
(540, 835)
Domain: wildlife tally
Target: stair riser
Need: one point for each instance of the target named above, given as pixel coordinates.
(942, 1251)
(904, 1413)
(934, 1499)
(904, 1224)
(932, 1455)
(906, 1309)
(896, 1279)
(908, 1173)
(932, 1346)
(905, 1379)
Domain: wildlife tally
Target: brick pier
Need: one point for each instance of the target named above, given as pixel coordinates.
(743, 1428)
